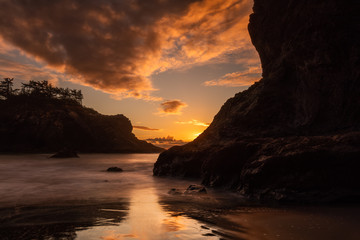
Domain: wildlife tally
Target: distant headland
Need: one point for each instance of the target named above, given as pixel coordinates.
(39, 117)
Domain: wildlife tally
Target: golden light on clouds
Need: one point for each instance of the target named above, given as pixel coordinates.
(115, 46)
(194, 122)
(215, 27)
(237, 79)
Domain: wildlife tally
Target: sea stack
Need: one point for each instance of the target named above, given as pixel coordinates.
(293, 135)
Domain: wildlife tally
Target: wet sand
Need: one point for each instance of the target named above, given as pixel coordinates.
(298, 223)
(241, 220)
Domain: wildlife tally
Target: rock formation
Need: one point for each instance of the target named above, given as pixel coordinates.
(49, 125)
(293, 135)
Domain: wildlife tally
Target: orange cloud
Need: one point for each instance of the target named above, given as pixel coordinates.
(115, 46)
(211, 28)
(146, 128)
(172, 107)
(195, 122)
(237, 79)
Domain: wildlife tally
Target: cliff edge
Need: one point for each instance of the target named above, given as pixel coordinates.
(295, 134)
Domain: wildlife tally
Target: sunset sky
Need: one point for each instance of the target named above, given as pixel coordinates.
(167, 65)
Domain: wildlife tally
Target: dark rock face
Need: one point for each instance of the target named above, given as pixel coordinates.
(295, 134)
(33, 125)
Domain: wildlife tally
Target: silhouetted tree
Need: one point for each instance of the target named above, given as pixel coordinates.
(25, 89)
(6, 87)
(79, 96)
(39, 89)
(66, 93)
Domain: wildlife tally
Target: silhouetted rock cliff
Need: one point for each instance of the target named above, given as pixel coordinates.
(295, 134)
(49, 125)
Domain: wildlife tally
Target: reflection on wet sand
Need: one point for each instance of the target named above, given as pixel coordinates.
(209, 212)
(57, 222)
(147, 220)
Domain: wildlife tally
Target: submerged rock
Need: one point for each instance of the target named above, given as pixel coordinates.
(65, 153)
(114, 169)
(192, 189)
(295, 134)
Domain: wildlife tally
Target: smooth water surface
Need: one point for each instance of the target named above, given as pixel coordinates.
(43, 198)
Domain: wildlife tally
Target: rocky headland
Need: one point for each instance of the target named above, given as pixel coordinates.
(43, 124)
(295, 134)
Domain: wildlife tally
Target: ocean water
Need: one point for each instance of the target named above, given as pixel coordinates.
(43, 198)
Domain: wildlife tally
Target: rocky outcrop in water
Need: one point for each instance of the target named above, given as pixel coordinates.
(30, 124)
(295, 134)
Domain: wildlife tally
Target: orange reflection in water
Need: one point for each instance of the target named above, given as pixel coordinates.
(173, 224)
(114, 236)
(148, 221)
(145, 214)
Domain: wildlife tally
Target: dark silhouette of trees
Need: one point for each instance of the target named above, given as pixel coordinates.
(78, 96)
(6, 87)
(39, 89)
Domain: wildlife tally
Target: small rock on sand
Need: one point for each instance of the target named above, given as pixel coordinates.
(114, 169)
(194, 189)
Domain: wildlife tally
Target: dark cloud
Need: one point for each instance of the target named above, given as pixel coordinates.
(115, 45)
(172, 107)
(146, 128)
